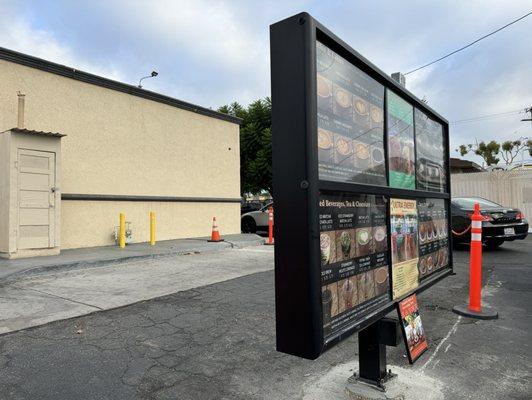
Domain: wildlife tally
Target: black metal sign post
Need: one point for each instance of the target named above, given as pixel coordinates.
(372, 342)
(334, 180)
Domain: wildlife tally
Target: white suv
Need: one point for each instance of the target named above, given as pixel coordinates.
(254, 221)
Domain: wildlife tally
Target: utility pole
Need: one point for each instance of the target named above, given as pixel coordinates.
(528, 110)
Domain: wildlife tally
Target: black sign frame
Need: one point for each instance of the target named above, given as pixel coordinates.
(296, 185)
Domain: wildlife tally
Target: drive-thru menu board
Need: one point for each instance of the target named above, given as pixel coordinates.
(354, 257)
(361, 190)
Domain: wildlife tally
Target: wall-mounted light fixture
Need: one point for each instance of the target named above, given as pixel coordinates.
(152, 75)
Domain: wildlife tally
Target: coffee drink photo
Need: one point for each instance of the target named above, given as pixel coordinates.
(324, 88)
(381, 280)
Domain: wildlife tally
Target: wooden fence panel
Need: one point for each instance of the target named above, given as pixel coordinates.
(509, 188)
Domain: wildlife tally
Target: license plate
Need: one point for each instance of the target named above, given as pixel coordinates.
(509, 231)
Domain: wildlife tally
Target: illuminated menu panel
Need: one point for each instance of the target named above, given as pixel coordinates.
(404, 240)
(400, 142)
(354, 254)
(430, 150)
(350, 121)
(433, 236)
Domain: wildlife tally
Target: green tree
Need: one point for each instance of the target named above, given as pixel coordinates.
(255, 144)
(511, 149)
(508, 150)
(488, 151)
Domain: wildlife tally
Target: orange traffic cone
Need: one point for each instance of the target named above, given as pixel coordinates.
(215, 235)
(475, 309)
(269, 242)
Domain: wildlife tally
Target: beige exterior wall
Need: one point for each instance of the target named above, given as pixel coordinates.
(174, 220)
(119, 144)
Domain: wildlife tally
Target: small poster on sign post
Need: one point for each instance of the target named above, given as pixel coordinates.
(413, 332)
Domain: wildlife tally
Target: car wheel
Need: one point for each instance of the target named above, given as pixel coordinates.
(494, 243)
(248, 225)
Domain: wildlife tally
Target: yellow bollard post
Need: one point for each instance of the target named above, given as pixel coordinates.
(122, 231)
(152, 228)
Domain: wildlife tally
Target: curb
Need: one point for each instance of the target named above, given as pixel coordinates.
(96, 263)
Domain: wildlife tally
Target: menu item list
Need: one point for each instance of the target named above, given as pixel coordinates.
(354, 270)
(350, 121)
(433, 236)
(430, 152)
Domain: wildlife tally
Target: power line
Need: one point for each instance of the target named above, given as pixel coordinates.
(487, 116)
(470, 44)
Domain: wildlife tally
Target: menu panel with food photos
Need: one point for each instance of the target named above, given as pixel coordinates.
(433, 236)
(350, 121)
(400, 142)
(354, 254)
(404, 241)
(430, 150)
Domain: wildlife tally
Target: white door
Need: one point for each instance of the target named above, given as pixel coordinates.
(36, 199)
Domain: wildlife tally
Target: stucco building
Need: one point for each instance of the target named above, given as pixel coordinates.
(77, 149)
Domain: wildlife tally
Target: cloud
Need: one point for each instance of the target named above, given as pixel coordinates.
(208, 31)
(215, 52)
(17, 34)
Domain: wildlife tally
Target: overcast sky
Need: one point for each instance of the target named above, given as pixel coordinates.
(215, 52)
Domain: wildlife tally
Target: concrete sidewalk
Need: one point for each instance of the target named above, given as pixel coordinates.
(83, 283)
(95, 256)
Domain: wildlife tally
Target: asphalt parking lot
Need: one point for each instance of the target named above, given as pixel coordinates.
(218, 342)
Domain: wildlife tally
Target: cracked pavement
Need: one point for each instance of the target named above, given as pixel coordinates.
(217, 341)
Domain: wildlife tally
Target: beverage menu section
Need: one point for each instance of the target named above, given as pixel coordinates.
(430, 151)
(354, 254)
(400, 125)
(350, 121)
(433, 236)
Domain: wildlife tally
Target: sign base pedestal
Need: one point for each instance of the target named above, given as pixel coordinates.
(372, 342)
(357, 388)
(485, 313)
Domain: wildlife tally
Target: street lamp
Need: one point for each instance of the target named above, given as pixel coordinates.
(152, 75)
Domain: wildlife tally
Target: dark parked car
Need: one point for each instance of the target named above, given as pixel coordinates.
(500, 223)
(248, 206)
